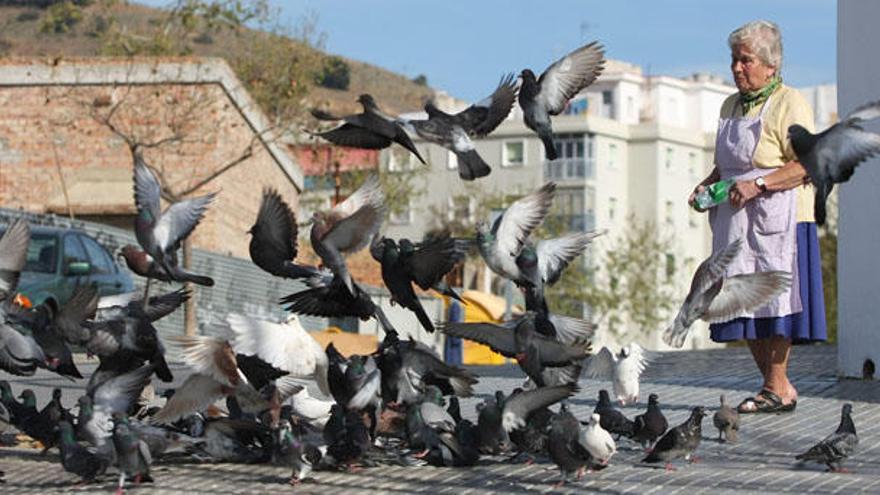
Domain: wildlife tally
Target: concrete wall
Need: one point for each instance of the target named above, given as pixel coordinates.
(858, 271)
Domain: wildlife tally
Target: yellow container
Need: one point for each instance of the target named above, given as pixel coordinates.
(482, 307)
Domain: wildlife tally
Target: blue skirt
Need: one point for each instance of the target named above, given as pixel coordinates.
(803, 327)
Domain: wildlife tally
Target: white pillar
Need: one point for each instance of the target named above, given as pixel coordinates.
(858, 264)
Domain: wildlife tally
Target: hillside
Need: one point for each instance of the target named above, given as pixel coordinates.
(20, 35)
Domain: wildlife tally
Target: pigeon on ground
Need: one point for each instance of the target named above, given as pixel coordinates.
(832, 156)
(623, 369)
(517, 407)
(296, 452)
(650, 425)
(43, 425)
(611, 419)
(347, 437)
(838, 446)
(518, 339)
(493, 438)
(286, 346)
(549, 94)
(680, 441)
(409, 367)
(355, 382)
(426, 421)
(716, 298)
(425, 264)
(454, 132)
(160, 233)
(112, 397)
(726, 419)
(598, 441)
(371, 129)
(565, 447)
(273, 245)
(132, 453)
(77, 459)
(502, 244)
(348, 228)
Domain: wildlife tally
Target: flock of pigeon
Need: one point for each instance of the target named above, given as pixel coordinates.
(272, 394)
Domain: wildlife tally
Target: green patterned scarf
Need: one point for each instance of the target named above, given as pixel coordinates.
(754, 98)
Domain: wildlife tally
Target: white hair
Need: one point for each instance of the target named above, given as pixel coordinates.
(763, 38)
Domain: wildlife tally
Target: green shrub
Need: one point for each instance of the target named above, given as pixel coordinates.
(334, 74)
(61, 17)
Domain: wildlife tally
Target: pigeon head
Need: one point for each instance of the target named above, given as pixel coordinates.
(433, 394)
(56, 394)
(698, 413)
(798, 135)
(594, 419)
(85, 404)
(846, 409)
(5, 390)
(653, 399)
(527, 75)
(367, 101)
(604, 398)
(482, 230)
(27, 395)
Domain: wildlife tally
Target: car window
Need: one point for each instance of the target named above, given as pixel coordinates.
(41, 254)
(101, 261)
(73, 250)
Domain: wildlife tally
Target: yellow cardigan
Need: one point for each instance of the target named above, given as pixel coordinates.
(787, 107)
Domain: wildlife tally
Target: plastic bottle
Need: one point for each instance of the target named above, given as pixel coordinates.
(713, 195)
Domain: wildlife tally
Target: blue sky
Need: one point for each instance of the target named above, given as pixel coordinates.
(463, 46)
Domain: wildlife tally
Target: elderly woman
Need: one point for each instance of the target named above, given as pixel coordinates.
(770, 207)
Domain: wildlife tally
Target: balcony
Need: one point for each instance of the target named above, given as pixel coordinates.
(568, 169)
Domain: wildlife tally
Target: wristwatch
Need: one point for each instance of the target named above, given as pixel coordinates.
(762, 185)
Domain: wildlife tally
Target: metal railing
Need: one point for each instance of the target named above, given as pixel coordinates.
(568, 169)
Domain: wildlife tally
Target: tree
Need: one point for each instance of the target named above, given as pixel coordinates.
(334, 74)
(629, 281)
(421, 80)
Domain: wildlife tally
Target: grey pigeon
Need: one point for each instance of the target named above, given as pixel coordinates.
(611, 419)
(141, 263)
(273, 245)
(726, 419)
(549, 94)
(297, 452)
(519, 339)
(493, 438)
(518, 407)
(716, 298)
(13, 255)
(502, 244)
(454, 132)
(564, 445)
(112, 397)
(832, 156)
(427, 420)
(132, 453)
(838, 446)
(76, 459)
(680, 441)
(425, 264)
(348, 228)
(370, 129)
(650, 425)
(160, 233)
(19, 354)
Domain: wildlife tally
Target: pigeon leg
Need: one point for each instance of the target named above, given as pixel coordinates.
(119, 488)
(146, 293)
(422, 454)
(669, 467)
(294, 481)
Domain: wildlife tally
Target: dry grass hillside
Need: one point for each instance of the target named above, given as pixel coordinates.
(21, 35)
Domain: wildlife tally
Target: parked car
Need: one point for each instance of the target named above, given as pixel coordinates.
(61, 259)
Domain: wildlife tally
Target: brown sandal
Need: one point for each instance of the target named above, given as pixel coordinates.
(770, 403)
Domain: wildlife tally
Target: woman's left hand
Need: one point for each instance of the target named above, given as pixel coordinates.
(742, 192)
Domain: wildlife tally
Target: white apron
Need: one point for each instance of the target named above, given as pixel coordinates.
(767, 223)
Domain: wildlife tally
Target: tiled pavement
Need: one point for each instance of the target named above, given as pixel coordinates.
(761, 462)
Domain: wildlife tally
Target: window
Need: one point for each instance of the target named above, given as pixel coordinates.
(101, 261)
(451, 160)
(41, 253)
(631, 109)
(570, 162)
(670, 156)
(607, 104)
(670, 209)
(692, 163)
(73, 250)
(612, 208)
(513, 153)
(612, 155)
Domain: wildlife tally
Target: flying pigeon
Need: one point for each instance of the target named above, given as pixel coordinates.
(141, 263)
(838, 446)
(13, 255)
(680, 441)
(370, 129)
(502, 244)
(160, 233)
(623, 369)
(726, 419)
(273, 245)
(454, 132)
(549, 94)
(713, 297)
(348, 228)
(832, 156)
(650, 425)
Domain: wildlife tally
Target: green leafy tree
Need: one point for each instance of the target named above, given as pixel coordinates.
(61, 17)
(334, 74)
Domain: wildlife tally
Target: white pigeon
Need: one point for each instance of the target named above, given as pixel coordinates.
(623, 369)
(286, 346)
(597, 441)
(314, 411)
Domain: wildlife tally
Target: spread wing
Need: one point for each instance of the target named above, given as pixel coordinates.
(179, 220)
(601, 365)
(516, 224)
(498, 337)
(569, 75)
(746, 293)
(13, 256)
(483, 117)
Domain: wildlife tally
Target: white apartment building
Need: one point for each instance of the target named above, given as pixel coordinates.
(632, 144)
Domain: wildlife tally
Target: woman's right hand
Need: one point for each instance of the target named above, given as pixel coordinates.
(692, 199)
